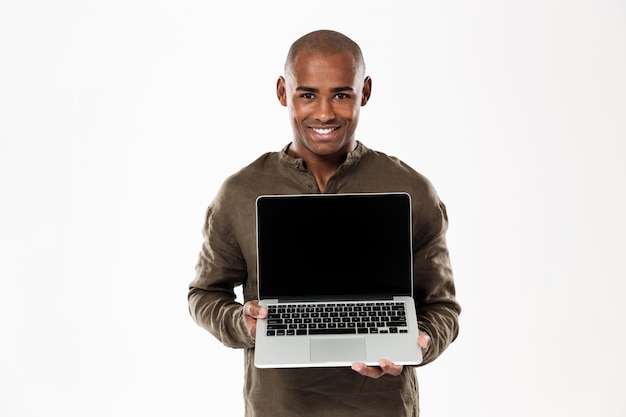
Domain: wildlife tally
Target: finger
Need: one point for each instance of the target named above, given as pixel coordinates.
(423, 340)
(368, 371)
(390, 368)
(252, 330)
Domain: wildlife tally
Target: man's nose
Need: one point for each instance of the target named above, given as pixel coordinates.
(325, 111)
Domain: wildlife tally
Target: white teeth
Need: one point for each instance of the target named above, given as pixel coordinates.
(323, 131)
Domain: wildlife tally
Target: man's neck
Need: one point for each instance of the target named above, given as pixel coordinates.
(322, 171)
(323, 167)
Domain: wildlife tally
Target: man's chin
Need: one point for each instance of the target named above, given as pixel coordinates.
(329, 147)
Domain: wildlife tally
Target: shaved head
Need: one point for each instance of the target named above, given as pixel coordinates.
(326, 42)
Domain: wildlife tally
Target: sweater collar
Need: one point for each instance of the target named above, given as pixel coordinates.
(353, 157)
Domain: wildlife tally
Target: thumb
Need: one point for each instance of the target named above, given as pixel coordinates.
(423, 340)
(261, 312)
(253, 309)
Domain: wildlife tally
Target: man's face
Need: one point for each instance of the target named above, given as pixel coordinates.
(324, 94)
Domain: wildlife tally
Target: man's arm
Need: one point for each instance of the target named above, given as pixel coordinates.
(435, 293)
(211, 297)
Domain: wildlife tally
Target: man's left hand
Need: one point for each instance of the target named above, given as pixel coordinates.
(388, 367)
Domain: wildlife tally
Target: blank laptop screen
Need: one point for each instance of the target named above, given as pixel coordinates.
(331, 246)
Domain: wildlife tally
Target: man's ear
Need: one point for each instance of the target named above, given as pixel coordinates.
(281, 93)
(367, 91)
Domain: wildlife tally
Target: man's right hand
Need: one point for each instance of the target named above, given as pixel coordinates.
(251, 312)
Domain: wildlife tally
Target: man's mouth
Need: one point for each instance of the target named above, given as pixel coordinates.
(324, 131)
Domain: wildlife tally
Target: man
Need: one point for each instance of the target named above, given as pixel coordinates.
(323, 88)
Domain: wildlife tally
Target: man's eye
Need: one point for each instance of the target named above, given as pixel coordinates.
(341, 96)
(308, 96)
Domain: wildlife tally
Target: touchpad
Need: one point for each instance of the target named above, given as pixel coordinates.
(350, 349)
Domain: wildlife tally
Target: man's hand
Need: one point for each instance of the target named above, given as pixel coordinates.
(387, 367)
(251, 312)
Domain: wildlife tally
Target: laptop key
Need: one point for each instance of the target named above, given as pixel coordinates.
(396, 324)
(332, 331)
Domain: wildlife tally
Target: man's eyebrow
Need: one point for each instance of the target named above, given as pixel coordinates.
(307, 89)
(316, 90)
(341, 89)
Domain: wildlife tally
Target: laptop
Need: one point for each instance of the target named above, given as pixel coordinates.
(335, 272)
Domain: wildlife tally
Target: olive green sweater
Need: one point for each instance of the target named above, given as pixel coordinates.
(228, 259)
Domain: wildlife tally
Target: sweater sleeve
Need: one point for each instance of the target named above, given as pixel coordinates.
(435, 294)
(221, 267)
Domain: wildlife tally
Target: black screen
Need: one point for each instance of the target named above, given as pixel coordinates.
(334, 245)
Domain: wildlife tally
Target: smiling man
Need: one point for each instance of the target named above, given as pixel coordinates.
(324, 88)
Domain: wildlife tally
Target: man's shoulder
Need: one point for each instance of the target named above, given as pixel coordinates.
(258, 177)
(238, 191)
(394, 166)
(262, 166)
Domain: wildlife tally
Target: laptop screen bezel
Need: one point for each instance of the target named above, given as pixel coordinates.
(285, 216)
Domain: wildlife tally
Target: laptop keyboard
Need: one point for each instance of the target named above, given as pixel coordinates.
(336, 318)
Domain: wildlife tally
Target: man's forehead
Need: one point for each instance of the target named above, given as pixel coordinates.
(315, 61)
(323, 71)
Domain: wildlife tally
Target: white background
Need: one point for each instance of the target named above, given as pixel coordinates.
(120, 119)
